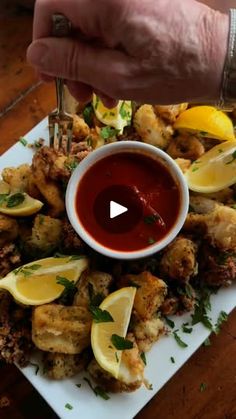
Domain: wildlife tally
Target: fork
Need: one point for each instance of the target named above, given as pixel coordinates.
(60, 122)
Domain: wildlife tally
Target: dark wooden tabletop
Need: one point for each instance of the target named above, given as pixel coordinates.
(23, 103)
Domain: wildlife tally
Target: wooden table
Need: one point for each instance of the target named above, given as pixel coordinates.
(23, 103)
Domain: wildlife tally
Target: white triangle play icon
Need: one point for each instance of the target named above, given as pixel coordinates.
(116, 209)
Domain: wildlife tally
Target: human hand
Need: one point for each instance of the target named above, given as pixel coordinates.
(153, 51)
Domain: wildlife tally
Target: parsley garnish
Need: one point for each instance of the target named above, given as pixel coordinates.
(143, 358)
(108, 132)
(98, 391)
(117, 359)
(68, 406)
(123, 113)
(194, 169)
(172, 359)
(88, 115)
(70, 288)
(36, 367)
(99, 315)
(23, 141)
(71, 165)
(202, 306)
(15, 199)
(151, 219)
(233, 158)
(181, 343)
(202, 387)
(223, 316)
(121, 343)
(220, 150)
(27, 270)
(170, 322)
(203, 133)
(95, 299)
(151, 240)
(78, 385)
(187, 329)
(3, 198)
(75, 257)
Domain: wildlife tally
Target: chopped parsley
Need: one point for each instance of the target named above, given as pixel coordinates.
(23, 141)
(108, 132)
(99, 315)
(223, 316)
(15, 199)
(68, 406)
(220, 150)
(203, 133)
(233, 158)
(151, 219)
(143, 358)
(117, 359)
(3, 198)
(95, 299)
(27, 270)
(202, 387)
(180, 342)
(98, 391)
(121, 343)
(194, 169)
(202, 307)
(36, 367)
(78, 385)
(70, 289)
(124, 113)
(172, 359)
(71, 165)
(88, 115)
(187, 329)
(151, 240)
(170, 322)
(76, 257)
(207, 342)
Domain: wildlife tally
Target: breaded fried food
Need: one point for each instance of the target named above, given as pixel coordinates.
(147, 332)
(152, 129)
(150, 294)
(58, 366)
(170, 112)
(185, 146)
(216, 222)
(56, 328)
(17, 177)
(95, 283)
(184, 164)
(71, 242)
(80, 129)
(9, 229)
(217, 268)
(10, 258)
(179, 260)
(131, 371)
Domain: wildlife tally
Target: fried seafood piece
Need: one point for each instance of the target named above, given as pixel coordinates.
(152, 129)
(147, 332)
(80, 129)
(95, 283)
(15, 331)
(170, 112)
(80, 150)
(45, 237)
(71, 242)
(217, 269)
(17, 177)
(49, 189)
(184, 164)
(185, 146)
(10, 258)
(9, 229)
(131, 374)
(56, 328)
(170, 306)
(179, 260)
(225, 196)
(150, 293)
(216, 222)
(58, 366)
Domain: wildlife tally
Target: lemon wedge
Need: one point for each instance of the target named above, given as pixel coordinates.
(36, 283)
(19, 205)
(207, 121)
(119, 305)
(118, 117)
(215, 170)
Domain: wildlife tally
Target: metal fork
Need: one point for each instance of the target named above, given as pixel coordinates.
(60, 122)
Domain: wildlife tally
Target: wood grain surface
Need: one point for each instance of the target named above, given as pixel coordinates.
(23, 103)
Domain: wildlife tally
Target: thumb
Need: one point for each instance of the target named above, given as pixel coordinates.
(103, 69)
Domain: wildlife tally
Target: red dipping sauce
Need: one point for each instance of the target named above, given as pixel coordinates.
(141, 184)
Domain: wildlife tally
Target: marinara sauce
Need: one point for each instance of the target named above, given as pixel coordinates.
(141, 184)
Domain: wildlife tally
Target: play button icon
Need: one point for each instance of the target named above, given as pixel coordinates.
(116, 209)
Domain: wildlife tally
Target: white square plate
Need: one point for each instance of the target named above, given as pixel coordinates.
(159, 366)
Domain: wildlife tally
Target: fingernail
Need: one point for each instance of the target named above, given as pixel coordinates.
(37, 54)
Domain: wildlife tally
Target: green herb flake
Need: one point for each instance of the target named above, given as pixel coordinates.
(207, 342)
(203, 133)
(143, 358)
(68, 406)
(76, 257)
(180, 342)
(233, 206)
(170, 322)
(108, 132)
(88, 115)
(112, 113)
(36, 366)
(99, 315)
(71, 166)
(187, 329)
(15, 200)
(69, 291)
(233, 158)
(95, 299)
(121, 343)
(223, 316)
(189, 290)
(33, 267)
(98, 391)
(104, 115)
(78, 385)
(117, 359)
(202, 306)
(203, 387)
(151, 219)
(194, 169)
(150, 387)
(23, 141)
(172, 359)
(220, 150)
(151, 240)
(3, 198)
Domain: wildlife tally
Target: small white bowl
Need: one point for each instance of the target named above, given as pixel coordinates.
(114, 148)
